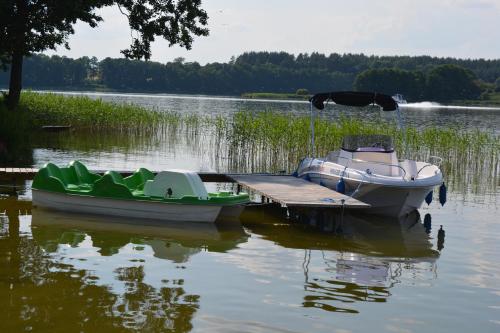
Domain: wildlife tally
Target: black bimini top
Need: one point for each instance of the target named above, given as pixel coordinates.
(354, 98)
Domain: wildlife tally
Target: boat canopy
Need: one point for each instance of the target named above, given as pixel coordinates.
(354, 98)
(368, 143)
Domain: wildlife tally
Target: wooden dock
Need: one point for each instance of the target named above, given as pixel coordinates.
(291, 191)
(286, 190)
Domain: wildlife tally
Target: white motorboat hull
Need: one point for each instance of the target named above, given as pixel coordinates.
(391, 189)
(126, 208)
(388, 200)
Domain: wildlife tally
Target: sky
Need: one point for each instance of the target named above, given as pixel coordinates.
(444, 28)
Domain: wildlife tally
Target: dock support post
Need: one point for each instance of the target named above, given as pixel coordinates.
(329, 220)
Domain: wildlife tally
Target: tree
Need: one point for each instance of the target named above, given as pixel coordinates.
(497, 84)
(446, 83)
(28, 26)
(391, 81)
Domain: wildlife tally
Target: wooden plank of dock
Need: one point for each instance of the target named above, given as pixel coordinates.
(291, 191)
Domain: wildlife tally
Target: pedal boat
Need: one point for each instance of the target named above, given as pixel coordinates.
(171, 195)
(367, 166)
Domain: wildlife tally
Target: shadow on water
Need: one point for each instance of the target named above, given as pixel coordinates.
(16, 145)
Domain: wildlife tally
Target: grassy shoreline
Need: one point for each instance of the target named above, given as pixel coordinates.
(41, 109)
(267, 128)
(246, 141)
(267, 95)
(490, 100)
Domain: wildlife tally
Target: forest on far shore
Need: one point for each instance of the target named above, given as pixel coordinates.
(416, 77)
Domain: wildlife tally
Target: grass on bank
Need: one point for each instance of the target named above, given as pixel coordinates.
(81, 112)
(267, 131)
(488, 100)
(268, 95)
(249, 141)
(271, 132)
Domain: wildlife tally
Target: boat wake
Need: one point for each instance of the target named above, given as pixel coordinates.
(435, 105)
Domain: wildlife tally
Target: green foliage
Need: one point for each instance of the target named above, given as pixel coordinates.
(391, 81)
(451, 82)
(265, 95)
(264, 141)
(34, 26)
(443, 83)
(302, 92)
(259, 72)
(271, 141)
(85, 113)
(497, 85)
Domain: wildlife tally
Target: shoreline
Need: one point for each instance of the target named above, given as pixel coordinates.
(262, 97)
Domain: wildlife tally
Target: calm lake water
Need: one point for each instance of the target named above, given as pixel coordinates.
(62, 272)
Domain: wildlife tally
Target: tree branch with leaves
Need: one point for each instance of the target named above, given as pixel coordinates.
(29, 26)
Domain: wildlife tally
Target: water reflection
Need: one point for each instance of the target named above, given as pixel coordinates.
(55, 273)
(171, 241)
(363, 263)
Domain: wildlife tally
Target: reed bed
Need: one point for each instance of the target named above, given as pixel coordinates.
(271, 142)
(266, 141)
(279, 140)
(91, 114)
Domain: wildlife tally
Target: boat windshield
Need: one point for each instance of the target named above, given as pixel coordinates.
(368, 143)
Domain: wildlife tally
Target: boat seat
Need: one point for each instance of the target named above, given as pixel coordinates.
(53, 171)
(66, 176)
(111, 185)
(82, 174)
(136, 181)
(180, 182)
(49, 177)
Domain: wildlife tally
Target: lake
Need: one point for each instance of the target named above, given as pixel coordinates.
(63, 272)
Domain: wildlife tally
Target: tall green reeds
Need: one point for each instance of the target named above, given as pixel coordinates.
(266, 141)
(270, 142)
(90, 114)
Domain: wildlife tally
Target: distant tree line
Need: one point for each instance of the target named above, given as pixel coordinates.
(418, 78)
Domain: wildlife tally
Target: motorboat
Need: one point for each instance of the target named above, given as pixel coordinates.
(367, 167)
(172, 195)
(399, 99)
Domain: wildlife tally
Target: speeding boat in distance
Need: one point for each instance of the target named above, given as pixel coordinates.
(367, 167)
(171, 195)
(399, 99)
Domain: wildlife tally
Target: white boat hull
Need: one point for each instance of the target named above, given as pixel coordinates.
(392, 188)
(126, 208)
(388, 200)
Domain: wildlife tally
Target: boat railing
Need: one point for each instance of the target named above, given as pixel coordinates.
(430, 162)
(357, 160)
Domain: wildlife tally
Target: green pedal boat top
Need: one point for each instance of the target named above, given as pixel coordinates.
(171, 186)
